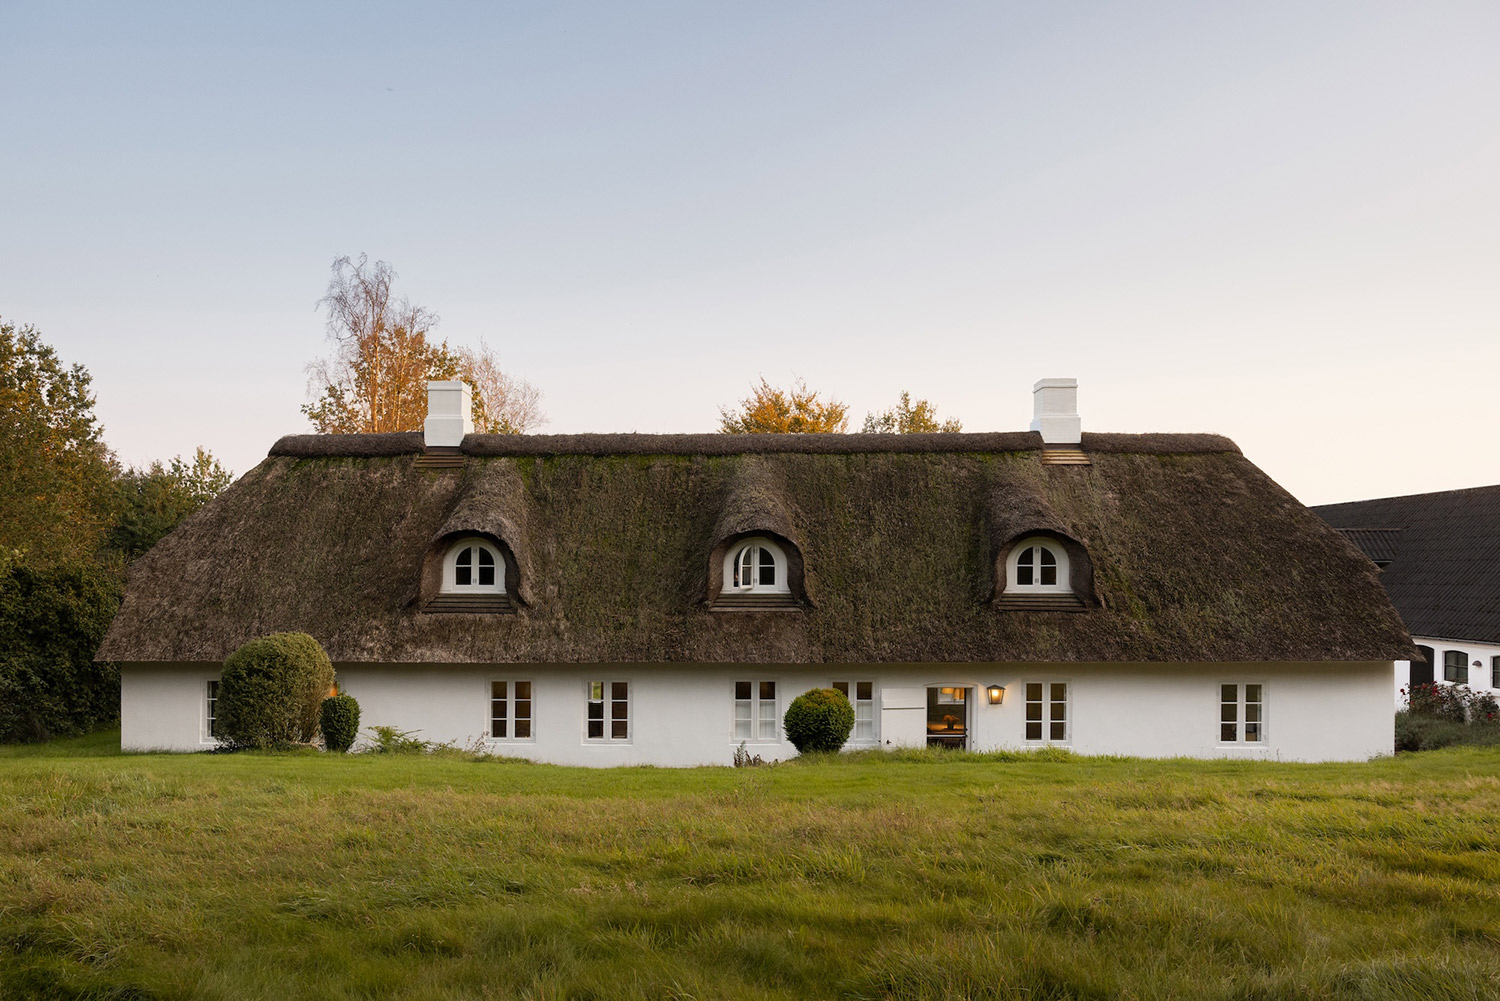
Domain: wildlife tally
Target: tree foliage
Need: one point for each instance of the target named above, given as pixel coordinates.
(154, 500)
(502, 404)
(385, 355)
(271, 690)
(55, 470)
(52, 619)
(770, 410)
(67, 517)
(907, 417)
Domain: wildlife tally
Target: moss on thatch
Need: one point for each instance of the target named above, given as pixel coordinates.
(1195, 554)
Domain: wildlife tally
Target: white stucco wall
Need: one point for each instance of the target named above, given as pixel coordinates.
(684, 714)
(1481, 678)
(163, 707)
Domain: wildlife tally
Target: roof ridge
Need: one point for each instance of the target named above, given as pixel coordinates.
(636, 443)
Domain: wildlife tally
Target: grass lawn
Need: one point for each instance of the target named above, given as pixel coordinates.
(866, 876)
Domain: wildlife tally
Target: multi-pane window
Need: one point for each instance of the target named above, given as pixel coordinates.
(861, 695)
(1036, 565)
(608, 710)
(211, 708)
(1242, 713)
(756, 566)
(1495, 672)
(473, 565)
(1047, 710)
(755, 710)
(510, 710)
(1456, 667)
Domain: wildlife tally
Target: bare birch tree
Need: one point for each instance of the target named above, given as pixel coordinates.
(384, 357)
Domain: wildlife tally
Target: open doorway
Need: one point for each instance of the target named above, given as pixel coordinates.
(948, 716)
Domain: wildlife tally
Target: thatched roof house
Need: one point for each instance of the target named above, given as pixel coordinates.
(901, 563)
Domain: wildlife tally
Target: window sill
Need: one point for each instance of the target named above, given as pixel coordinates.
(492, 603)
(739, 601)
(1039, 601)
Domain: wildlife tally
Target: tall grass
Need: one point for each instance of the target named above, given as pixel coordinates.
(853, 876)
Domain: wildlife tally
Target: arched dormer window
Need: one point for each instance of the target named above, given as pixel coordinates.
(755, 565)
(473, 566)
(1037, 566)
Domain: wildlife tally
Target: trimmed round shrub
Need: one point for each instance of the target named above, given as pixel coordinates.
(819, 720)
(338, 718)
(270, 691)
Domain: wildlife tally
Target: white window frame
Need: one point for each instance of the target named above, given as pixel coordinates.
(450, 567)
(1047, 701)
(757, 711)
(608, 702)
(210, 710)
(869, 707)
(778, 557)
(1461, 667)
(511, 700)
(1064, 584)
(1242, 704)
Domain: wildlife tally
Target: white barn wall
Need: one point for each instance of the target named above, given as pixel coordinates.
(683, 714)
(1481, 678)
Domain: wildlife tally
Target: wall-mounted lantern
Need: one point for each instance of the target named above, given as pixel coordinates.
(996, 694)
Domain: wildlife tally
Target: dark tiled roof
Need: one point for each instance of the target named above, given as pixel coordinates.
(1444, 553)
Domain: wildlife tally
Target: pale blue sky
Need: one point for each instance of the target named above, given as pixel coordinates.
(1278, 221)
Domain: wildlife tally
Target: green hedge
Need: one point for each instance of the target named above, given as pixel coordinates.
(338, 718)
(271, 690)
(819, 720)
(52, 620)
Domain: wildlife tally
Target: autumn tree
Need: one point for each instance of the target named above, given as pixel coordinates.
(154, 500)
(55, 470)
(771, 410)
(907, 417)
(385, 355)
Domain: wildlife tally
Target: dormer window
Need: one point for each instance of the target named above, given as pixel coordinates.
(1037, 566)
(473, 566)
(755, 566)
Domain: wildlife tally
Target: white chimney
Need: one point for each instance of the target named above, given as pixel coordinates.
(449, 416)
(1055, 403)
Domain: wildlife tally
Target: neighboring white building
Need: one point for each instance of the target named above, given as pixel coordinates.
(1439, 560)
(660, 599)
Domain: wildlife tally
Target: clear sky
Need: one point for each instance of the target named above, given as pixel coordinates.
(1278, 221)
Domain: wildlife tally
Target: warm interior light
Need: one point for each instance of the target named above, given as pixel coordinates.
(997, 694)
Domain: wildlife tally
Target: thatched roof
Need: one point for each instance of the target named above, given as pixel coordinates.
(1441, 553)
(1193, 553)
